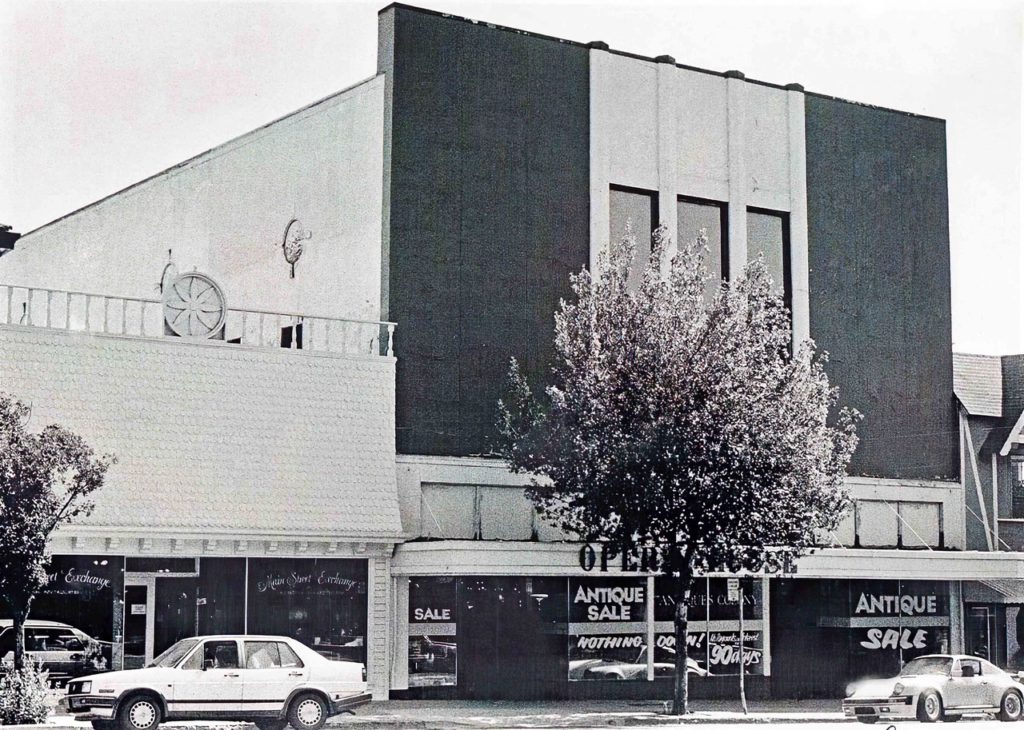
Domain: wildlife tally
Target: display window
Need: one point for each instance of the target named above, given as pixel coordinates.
(433, 658)
(320, 602)
(607, 629)
(71, 628)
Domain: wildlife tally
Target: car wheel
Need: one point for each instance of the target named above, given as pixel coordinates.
(307, 712)
(275, 724)
(141, 712)
(929, 707)
(1011, 708)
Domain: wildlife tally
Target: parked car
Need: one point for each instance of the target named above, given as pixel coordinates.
(636, 669)
(63, 650)
(269, 680)
(938, 687)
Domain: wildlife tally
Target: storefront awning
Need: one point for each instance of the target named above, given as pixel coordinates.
(995, 591)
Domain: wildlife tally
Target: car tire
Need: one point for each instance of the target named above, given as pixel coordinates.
(1011, 707)
(306, 712)
(929, 707)
(274, 724)
(141, 712)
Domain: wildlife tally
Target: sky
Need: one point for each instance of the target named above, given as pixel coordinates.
(95, 96)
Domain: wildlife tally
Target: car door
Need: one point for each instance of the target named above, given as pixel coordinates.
(994, 683)
(272, 671)
(965, 687)
(209, 682)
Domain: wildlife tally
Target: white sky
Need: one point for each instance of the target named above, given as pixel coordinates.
(97, 95)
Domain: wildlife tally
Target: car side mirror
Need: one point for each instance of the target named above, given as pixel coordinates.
(207, 664)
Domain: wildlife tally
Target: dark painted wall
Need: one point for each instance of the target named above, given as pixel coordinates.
(879, 280)
(489, 214)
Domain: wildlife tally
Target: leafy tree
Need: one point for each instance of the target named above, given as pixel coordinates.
(681, 420)
(46, 480)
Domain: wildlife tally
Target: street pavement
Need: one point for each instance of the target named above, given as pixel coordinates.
(578, 715)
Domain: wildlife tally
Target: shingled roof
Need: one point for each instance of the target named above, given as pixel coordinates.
(219, 438)
(978, 383)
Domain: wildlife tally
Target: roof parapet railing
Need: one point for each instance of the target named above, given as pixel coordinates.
(78, 311)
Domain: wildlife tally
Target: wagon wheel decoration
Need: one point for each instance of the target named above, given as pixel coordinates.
(194, 306)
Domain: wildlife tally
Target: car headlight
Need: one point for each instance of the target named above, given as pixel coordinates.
(86, 688)
(898, 689)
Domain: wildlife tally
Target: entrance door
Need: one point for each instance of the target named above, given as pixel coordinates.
(138, 649)
(979, 632)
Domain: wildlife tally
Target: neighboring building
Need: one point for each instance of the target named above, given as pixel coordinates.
(453, 194)
(991, 394)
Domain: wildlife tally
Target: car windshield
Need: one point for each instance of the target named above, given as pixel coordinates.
(927, 665)
(173, 655)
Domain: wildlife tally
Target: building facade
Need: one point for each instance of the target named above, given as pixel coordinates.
(319, 461)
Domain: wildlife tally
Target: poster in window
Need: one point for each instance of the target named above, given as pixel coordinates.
(433, 655)
(607, 629)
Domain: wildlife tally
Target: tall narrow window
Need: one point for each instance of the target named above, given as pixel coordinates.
(768, 234)
(1017, 487)
(705, 222)
(640, 208)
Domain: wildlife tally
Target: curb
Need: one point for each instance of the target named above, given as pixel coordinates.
(552, 721)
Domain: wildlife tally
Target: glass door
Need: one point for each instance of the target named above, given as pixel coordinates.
(979, 632)
(136, 636)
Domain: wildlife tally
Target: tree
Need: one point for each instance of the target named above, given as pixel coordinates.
(46, 480)
(681, 421)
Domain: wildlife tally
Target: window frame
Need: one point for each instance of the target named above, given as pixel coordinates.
(723, 213)
(652, 194)
(787, 252)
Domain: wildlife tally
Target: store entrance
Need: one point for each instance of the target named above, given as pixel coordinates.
(509, 642)
(980, 635)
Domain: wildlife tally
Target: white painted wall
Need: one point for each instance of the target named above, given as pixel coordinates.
(680, 132)
(225, 212)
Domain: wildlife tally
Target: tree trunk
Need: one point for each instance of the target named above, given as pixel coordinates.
(680, 698)
(18, 626)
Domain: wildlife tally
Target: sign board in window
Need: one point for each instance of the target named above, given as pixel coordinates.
(607, 629)
(433, 656)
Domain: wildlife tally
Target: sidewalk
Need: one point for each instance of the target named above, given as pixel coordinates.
(469, 714)
(438, 714)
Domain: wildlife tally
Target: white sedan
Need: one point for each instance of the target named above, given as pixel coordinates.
(938, 687)
(269, 680)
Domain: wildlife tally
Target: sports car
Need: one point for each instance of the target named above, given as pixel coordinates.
(938, 687)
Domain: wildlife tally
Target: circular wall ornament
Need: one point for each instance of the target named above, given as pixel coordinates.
(292, 246)
(194, 306)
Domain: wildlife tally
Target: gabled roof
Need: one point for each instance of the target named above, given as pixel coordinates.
(978, 383)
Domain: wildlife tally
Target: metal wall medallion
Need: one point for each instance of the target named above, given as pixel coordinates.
(194, 306)
(294, 235)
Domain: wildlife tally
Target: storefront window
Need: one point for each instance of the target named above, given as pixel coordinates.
(79, 595)
(432, 632)
(891, 622)
(713, 636)
(320, 602)
(607, 629)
